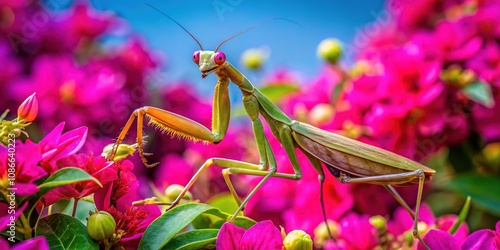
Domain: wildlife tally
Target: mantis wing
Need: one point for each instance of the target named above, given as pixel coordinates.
(352, 156)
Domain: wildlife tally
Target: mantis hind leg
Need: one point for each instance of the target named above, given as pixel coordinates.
(398, 178)
(321, 177)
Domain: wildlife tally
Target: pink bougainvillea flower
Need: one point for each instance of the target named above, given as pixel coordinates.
(96, 166)
(357, 232)
(5, 214)
(75, 93)
(39, 243)
(457, 40)
(261, 236)
(173, 169)
(5, 220)
(85, 23)
(486, 64)
(136, 60)
(484, 239)
(56, 145)
(438, 239)
(319, 91)
(306, 212)
(402, 221)
(486, 119)
(27, 170)
(486, 20)
(375, 200)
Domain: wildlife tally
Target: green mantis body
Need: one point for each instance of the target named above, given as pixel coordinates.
(348, 160)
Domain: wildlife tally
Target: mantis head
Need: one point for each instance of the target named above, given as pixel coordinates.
(208, 61)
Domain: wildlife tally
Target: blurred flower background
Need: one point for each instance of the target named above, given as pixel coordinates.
(422, 79)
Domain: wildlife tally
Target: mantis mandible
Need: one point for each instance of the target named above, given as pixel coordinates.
(350, 161)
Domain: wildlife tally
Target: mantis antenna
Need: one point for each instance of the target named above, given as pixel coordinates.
(201, 47)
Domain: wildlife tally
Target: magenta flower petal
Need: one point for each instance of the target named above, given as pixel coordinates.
(229, 237)
(5, 216)
(480, 240)
(437, 239)
(52, 136)
(262, 236)
(39, 243)
(81, 133)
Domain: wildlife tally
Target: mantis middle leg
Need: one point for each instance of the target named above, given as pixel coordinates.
(267, 166)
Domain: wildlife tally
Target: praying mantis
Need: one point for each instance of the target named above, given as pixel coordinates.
(350, 161)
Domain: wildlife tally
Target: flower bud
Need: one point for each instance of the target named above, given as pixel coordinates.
(174, 190)
(321, 113)
(351, 130)
(492, 153)
(123, 151)
(298, 240)
(330, 50)
(379, 222)
(28, 110)
(455, 75)
(254, 58)
(321, 232)
(101, 226)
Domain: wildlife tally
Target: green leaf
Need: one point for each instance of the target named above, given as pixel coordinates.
(196, 239)
(461, 217)
(61, 177)
(277, 91)
(161, 231)
(65, 176)
(224, 201)
(482, 189)
(244, 222)
(479, 92)
(65, 232)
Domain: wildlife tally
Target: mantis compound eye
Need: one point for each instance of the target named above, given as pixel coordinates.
(219, 58)
(196, 57)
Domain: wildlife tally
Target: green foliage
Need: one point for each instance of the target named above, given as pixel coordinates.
(61, 177)
(481, 188)
(165, 229)
(479, 92)
(65, 232)
(196, 239)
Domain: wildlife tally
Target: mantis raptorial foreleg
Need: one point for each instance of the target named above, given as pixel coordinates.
(179, 125)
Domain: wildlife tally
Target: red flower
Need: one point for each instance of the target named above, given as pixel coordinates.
(96, 166)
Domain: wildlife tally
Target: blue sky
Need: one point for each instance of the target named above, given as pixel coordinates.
(292, 46)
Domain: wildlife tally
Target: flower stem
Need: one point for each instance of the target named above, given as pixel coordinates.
(75, 205)
(26, 226)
